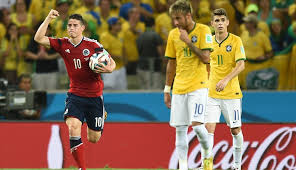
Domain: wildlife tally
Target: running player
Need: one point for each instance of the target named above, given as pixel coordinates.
(84, 99)
(227, 61)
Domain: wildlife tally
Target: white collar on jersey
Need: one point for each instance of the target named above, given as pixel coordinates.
(75, 45)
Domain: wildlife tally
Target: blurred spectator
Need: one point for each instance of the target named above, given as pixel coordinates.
(253, 9)
(292, 12)
(40, 9)
(24, 84)
(163, 22)
(115, 5)
(25, 23)
(90, 13)
(2, 24)
(112, 42)
(257, 46)
(5, 17)
(201, 11)
(11, 53)
(145, 10)
(265, 11)
(59, 25)
(105, 13)
(280, 10)
(45, 64)
(158, 6)
(89, 7)
(279, 38)
(131, 30)
(291, 82)
(151, 51)
(235, 11)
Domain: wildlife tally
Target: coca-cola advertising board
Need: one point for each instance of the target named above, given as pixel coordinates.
(143, 145)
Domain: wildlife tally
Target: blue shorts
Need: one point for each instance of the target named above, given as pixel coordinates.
(90, 109)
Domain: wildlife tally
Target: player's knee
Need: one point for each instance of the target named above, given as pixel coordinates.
(211, 127)
(235, 131)
(73, 128)
(94, 138)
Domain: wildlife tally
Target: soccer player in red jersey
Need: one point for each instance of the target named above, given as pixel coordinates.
(84, 99)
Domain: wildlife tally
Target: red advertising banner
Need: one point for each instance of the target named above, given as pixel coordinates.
(143, 145)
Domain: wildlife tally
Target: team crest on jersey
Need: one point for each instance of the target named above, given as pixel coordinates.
(194, 39)
(228, 48)
(85, 52)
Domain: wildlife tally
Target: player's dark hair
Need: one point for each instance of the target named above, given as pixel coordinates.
(181, 6)
(78, 17)
(219, 12)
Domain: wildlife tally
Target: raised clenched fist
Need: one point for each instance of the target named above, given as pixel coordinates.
(53, 14)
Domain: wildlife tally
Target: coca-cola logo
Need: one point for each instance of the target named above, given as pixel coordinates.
(273, 153)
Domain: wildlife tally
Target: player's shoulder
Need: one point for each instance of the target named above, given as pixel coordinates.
(202, 27)
(174, 31)
(63, 40)
(92, 41)
(234, 37)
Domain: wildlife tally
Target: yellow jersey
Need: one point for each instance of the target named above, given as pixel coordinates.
(163, 25)
(40, 9)
(256, 45)
(262, 25)
(130, 38)
(59, 27)
(191, 72)
(113, 44)
(223, 61)
(25, 38)
(2, 31)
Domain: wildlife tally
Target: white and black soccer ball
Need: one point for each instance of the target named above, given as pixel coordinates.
(97, 58)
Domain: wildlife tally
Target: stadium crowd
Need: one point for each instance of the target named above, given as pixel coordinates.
(125, 27)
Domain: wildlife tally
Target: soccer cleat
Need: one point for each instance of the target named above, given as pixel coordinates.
(208, 163)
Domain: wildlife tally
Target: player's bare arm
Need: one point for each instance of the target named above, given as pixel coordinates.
(204, 55)
(239, 67)
(106, 68)
(40, 34)
(170, 74)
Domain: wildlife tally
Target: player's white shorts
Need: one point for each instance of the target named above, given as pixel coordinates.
(190, 107)
(231, 110)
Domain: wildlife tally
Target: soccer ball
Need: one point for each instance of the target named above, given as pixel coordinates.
(97, 58)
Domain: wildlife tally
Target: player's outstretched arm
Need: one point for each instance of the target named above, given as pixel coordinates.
(40, 36)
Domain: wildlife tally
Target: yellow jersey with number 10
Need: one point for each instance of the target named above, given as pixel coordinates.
(223, 61)
(191, 72)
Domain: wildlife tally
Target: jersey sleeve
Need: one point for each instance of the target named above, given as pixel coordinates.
(55, 43)
(98, 47)
(170, 51)
(206, 40)
(239, 50)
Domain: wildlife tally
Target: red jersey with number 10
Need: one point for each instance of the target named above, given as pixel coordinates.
(83, 81)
